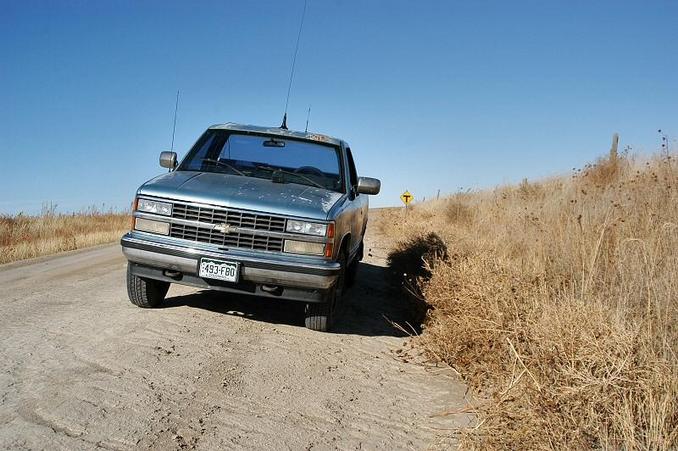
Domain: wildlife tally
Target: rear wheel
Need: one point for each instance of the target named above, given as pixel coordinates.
(146, 293)
(320, 315)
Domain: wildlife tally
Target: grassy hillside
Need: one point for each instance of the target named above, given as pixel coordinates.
(24, 236)
(557, 301)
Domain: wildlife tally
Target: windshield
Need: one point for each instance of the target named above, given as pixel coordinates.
(278, 159)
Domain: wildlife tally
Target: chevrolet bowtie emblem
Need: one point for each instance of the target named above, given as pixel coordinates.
(223, 228)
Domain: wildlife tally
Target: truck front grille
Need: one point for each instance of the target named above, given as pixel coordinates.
(231, 239)
(232, 217)
(210, 215)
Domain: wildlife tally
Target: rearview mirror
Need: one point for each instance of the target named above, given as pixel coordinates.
(368, 185)
(274, 143)
(168, 160)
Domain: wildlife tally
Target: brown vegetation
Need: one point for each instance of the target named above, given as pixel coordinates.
(24, 236)
(558, 302)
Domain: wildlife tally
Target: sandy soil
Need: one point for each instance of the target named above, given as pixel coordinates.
(82, 368)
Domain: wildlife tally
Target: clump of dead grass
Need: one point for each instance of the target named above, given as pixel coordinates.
(27, 236)
(558, 304)
(412, 263)
(457, 212)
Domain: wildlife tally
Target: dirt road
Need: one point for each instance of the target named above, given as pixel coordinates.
(82, 368)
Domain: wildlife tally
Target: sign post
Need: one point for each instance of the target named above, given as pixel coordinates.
(406, 197)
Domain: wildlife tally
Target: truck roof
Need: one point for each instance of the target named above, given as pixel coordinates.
(277, 131)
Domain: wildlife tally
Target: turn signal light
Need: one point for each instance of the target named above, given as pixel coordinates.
(134, 205)
(330, 230)
(329, 249)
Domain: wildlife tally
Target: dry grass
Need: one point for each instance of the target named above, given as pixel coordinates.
(23, 236)
(413, 262)
(558, 303)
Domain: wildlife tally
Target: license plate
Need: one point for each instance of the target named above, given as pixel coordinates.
(219, 269)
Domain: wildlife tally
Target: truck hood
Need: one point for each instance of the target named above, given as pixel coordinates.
(246, 193)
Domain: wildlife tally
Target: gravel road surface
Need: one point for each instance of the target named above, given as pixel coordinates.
(82, 368)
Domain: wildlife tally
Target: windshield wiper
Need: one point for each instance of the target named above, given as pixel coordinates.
(301, 176)
(226, 165)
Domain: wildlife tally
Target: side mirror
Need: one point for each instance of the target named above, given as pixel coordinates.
(368, 185)
(168, 160)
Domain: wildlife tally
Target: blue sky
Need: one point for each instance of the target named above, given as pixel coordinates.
(431, 95)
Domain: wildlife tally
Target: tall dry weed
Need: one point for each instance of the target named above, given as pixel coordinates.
(25, 236)
(559, 305)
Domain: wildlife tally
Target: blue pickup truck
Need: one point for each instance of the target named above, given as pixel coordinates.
(255, 210)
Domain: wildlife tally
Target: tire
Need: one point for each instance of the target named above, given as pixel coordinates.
(145, 293)
(320, 315)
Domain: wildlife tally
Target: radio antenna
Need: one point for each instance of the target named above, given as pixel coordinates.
(294, 62)
(174, 126)
(308, 116)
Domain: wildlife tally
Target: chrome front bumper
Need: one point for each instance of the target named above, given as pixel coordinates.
(278, 270)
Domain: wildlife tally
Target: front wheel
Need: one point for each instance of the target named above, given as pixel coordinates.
(320, 316)
(145, 293)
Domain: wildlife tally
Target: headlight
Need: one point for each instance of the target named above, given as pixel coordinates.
(153, 206)
(307, 228)
(304, 247)
(148, 225)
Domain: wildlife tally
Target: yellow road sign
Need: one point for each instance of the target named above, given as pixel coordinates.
(406, 197)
